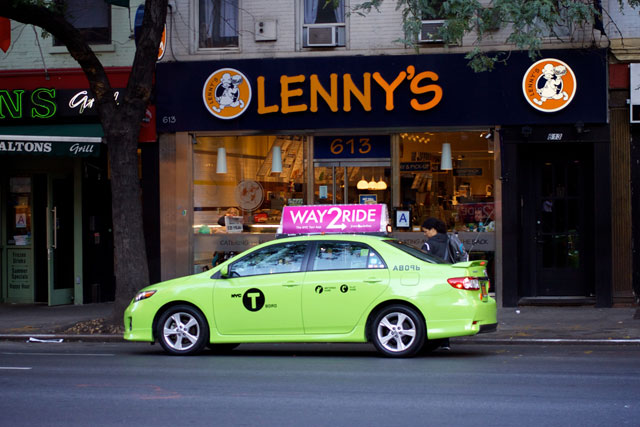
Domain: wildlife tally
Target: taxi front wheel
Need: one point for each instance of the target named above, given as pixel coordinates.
(398, 331)
(182, 330)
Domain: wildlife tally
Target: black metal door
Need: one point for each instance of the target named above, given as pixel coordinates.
(556, 221)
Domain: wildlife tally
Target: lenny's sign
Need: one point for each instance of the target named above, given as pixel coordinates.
(364, 92)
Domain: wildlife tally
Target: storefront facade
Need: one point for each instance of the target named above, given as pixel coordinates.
(56, 244)
(423, 134)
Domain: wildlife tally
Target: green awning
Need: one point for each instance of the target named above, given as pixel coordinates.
(51, 140)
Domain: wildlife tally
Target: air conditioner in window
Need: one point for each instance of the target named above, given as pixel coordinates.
(322, 36)
(429, 32)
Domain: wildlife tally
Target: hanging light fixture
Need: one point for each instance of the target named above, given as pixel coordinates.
(381, 185)
(445, 161)
(276, 163)
(373, 185)
(221, 164)
(363, 184)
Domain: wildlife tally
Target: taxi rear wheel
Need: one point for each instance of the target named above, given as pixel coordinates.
(398, 331)
(182, 330)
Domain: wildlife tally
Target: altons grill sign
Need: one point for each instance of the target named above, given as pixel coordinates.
(50, 146)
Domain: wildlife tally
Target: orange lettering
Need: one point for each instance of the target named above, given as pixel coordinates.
(418, 90)
(261, 107)
(330, 99)
(389, 88)
(350, 88)
(286, 93)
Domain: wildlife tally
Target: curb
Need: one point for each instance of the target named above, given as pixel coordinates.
(65, 337)
(459, 340)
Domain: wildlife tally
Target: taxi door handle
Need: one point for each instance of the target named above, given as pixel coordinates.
(291, 285)
(372, 280)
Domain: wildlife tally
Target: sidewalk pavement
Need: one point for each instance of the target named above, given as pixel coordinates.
(522, 325)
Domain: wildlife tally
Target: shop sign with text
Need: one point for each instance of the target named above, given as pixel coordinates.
(21, 145)
(352, 147)
(367, 218)
(365, 92)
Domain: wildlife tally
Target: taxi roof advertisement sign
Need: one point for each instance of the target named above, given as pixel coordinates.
(334, 219)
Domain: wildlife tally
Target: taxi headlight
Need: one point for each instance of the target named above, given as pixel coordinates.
(143, 295)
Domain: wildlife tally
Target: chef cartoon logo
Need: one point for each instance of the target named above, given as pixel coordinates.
(226, 93)
(549, 85)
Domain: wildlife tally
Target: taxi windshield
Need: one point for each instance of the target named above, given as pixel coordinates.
(415, 252)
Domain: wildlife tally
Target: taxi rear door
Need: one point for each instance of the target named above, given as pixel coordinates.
(343, 279)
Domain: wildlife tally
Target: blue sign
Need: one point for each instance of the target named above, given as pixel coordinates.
(352, 147)
(366, 199)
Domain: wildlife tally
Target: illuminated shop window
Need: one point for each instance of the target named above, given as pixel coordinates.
(247, 178)
(449, 176)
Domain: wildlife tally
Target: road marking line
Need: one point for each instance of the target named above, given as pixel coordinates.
(17, 368)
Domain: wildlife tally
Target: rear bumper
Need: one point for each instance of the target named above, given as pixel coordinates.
(489, 327)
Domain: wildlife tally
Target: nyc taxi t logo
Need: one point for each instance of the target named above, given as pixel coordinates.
(549, 85)
(226, 93)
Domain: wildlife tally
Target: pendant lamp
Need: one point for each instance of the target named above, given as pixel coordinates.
(276, 163)
(372, 184)
(445, 161)
(221, 164)
(363, 184)
(381, 185)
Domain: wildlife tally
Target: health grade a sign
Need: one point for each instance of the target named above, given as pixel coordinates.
(334, 219)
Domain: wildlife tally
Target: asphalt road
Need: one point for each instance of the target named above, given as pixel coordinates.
(103, 384)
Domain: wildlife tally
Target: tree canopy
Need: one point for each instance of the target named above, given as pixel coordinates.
(524, 22)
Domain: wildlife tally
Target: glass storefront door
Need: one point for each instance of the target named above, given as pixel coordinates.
(60, 239)
(39, 237)
(352, 184)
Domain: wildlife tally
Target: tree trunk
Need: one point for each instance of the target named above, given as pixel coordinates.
(130, 257)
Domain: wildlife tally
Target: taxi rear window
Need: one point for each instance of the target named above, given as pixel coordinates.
(417, 253)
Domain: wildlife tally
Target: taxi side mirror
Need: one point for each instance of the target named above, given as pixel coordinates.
(224, 271)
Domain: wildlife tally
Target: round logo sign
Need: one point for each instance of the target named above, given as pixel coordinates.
(253, 299)
(226, 93)
(249, 195)
(549, 85)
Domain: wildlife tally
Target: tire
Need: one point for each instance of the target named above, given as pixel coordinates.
(398, 331)
(182, 330)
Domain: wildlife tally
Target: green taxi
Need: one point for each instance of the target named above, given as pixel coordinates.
(318, 288)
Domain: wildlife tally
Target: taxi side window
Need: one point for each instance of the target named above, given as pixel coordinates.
(345, 256)
(282, 258)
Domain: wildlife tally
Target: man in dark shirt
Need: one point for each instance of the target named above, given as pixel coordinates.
(436, 233)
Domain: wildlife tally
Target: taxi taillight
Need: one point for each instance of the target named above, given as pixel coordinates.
(465, 283)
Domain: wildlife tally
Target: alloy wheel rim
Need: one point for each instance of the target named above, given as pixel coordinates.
(396, 332)
(181, 331)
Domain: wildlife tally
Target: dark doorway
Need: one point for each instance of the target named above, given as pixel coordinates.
(557, 220)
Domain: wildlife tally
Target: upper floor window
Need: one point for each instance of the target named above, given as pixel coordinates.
(432, 20)
(218, 23)
(324, 24)
(91, 17)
